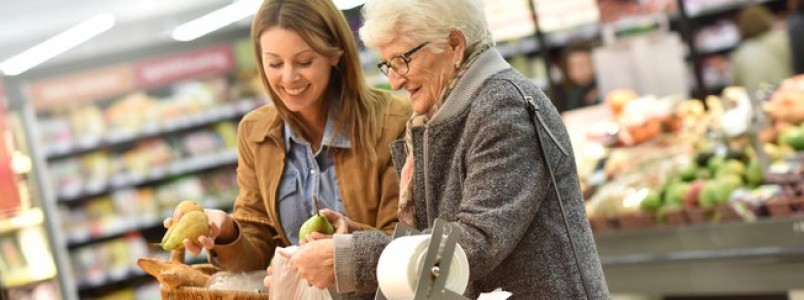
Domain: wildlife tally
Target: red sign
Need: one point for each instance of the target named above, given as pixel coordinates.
(86, 86)
(166, 70)
(9, 193)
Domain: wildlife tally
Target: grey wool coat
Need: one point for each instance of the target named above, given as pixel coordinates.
(478, 163)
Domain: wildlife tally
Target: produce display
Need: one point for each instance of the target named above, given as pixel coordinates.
(671, 162)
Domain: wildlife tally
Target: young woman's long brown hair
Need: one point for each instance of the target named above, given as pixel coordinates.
(325, 29)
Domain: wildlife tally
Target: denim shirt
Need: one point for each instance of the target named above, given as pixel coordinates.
(308, 174)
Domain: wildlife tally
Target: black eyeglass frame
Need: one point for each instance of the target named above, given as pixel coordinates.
(385, 66)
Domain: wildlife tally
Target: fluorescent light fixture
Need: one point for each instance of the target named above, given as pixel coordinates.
(57, 44)
(216, 20)
(348, 4)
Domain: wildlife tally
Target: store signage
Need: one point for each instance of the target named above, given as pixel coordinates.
(170, 69)
(9, 193)
(613, 10)
(508, 20)
(88, 86)
(557, 15)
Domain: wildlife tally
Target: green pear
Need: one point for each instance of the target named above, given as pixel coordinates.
(316, 223)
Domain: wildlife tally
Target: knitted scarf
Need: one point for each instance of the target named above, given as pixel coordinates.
(406, 212)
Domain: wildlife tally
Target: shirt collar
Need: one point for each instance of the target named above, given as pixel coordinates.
(331, 137)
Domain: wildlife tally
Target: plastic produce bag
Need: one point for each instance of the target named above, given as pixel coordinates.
(286, 283)
(238, 281)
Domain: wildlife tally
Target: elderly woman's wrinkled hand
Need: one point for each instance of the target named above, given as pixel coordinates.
(341, 223)
(267, 280)
(315, 262)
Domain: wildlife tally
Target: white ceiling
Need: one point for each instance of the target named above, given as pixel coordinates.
(139, 23)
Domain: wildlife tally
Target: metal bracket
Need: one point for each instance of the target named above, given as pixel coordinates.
(436, 266)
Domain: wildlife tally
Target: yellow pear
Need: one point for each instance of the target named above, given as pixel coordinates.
(184, 207)
(192, 225)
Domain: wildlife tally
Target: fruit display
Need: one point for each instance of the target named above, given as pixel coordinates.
(786, 106)
(705, 168)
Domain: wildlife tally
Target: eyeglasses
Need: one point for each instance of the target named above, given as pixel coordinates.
(399, 63)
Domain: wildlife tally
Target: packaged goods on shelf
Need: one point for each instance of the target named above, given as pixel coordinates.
(133, 209)
(720, 36)
(34, 264)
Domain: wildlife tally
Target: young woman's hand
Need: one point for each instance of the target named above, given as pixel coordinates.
(221, 228)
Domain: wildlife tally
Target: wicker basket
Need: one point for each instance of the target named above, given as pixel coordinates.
(200, 293)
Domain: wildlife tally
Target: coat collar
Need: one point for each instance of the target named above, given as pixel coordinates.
(487, 64)
(331, 137)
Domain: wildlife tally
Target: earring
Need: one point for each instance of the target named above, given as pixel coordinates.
(458, 64)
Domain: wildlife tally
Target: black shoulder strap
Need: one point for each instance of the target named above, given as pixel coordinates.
(538, 122)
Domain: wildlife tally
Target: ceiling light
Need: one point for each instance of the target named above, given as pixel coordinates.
(216, 20)
(57, 44)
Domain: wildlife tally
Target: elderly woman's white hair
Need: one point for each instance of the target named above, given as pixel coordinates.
(424, 21)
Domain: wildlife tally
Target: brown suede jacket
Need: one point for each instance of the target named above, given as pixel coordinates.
(369, 190)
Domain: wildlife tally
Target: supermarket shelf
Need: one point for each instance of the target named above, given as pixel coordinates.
(26, 218)
(525, 45)
(178, 168)
(226, 112)
(24, 278)
(74, 244)
(718, 50)
(133, 278)
(760, 257)
(726, 8)
(155, 225)
(555, 40)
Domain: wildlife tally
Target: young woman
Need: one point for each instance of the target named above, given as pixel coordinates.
(325, 137)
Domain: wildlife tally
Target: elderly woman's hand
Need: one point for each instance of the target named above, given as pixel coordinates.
(315, 262)
(341, 223)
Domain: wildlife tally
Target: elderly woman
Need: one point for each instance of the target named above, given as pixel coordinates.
(471, 156)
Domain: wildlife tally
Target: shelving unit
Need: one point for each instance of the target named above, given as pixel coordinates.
(161, 129)
(23, 268)
(26, 256)
(27, 218)
(691, 20)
